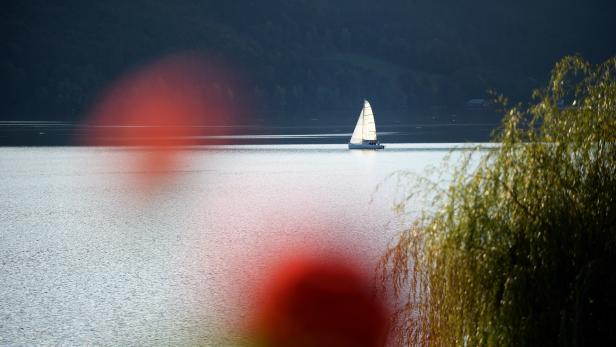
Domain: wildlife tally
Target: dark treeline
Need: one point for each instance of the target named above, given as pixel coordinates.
(301, 59)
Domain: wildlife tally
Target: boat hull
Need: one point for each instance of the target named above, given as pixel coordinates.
(365, 146)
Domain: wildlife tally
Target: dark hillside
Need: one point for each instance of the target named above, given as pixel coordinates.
(301, 59)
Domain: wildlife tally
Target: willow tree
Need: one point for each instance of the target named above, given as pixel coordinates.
(520, 249)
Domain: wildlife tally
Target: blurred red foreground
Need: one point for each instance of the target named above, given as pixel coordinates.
(161, 107)
(320, 303)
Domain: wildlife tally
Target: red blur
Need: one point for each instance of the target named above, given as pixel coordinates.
(170, 103)
(320, 303)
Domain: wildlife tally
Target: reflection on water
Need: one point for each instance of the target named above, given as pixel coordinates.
(63, 133)
(87, 260)
(285, 136)
(364, 153)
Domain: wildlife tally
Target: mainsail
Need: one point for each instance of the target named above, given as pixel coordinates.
(369, 130)
(365, 130)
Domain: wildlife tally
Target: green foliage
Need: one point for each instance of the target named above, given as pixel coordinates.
(521, 248)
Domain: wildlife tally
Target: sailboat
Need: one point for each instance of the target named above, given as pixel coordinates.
(364, 135)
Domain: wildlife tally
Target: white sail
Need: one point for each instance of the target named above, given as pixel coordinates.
(364, 135)
(368, 128)
(359, 129)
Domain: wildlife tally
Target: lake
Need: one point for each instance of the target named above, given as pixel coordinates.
(91, 255)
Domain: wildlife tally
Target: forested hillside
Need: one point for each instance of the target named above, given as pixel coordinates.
(300, 59)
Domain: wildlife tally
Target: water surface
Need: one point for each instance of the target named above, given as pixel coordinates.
(88, 258)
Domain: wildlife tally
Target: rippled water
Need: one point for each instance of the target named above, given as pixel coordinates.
(86, 258)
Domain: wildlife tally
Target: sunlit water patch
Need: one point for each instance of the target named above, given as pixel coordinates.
(89, 258)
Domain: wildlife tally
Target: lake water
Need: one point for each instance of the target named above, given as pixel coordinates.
(91, 256)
